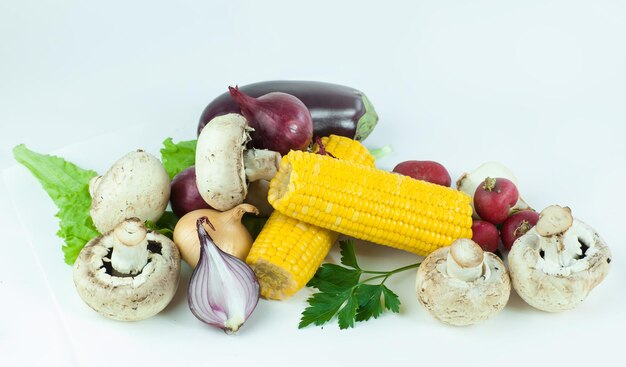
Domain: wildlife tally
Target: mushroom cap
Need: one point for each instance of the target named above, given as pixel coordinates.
(220, 171)
(561, 291)
(137, 185)
(456, 302)
(127, 298)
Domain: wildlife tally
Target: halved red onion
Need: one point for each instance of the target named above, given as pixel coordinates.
(223, 290)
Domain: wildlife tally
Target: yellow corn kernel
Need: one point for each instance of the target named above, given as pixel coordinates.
(302, 246)
(389, 209)
(346, 149)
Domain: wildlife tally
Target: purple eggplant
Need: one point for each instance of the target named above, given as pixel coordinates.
(335, 109)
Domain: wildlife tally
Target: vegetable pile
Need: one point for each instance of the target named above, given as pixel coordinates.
(276, 175)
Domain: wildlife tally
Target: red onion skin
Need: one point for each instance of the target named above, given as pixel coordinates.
(184, 194)
(281, 122)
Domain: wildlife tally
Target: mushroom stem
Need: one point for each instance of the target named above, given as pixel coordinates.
(560, 245)
(560, 250)
(260, 164)
(465, 260)
(554, 220)
(130, 249)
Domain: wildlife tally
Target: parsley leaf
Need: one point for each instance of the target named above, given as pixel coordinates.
(369, 302)
(322, 307)
(392, 302)
(342, 293)
(336, 275)
(348, 256)
(345, 316)
(176, 157)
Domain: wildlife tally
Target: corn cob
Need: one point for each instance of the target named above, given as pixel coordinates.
(370, 204)
(287, 252)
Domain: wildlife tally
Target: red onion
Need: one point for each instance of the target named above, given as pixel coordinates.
(223, 290)
(281, 122)
(184, 194)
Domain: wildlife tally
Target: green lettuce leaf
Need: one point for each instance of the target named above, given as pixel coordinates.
(178, 156)
(68, 187)
(165, 225)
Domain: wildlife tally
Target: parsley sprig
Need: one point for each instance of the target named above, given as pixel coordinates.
(344, 294)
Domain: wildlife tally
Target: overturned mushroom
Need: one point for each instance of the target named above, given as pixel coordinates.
(462, 285)
(557, 263)
(137, 185)
(129, 273)
(224, 166)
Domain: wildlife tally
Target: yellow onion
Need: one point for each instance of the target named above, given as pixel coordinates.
(229, 234)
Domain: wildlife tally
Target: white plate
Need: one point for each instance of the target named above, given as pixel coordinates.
(518, 335)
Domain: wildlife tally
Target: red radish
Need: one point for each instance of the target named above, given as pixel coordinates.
(424, 170)
(184, 196)
(281, 122)
(494, 199)
(516, 225)
(486, 235)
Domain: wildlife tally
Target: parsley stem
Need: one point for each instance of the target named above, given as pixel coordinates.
(398, 270)
(343, 294)
(387, 274)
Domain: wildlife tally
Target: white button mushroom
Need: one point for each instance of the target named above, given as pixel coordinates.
(129, 273)
(557, 263)
(224, 166)
(137, 185)
(462, 285)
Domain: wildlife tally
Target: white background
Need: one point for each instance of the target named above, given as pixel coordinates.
(538, 85)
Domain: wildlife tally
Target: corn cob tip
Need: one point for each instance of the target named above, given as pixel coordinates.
(275, 282)
(287, 252)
